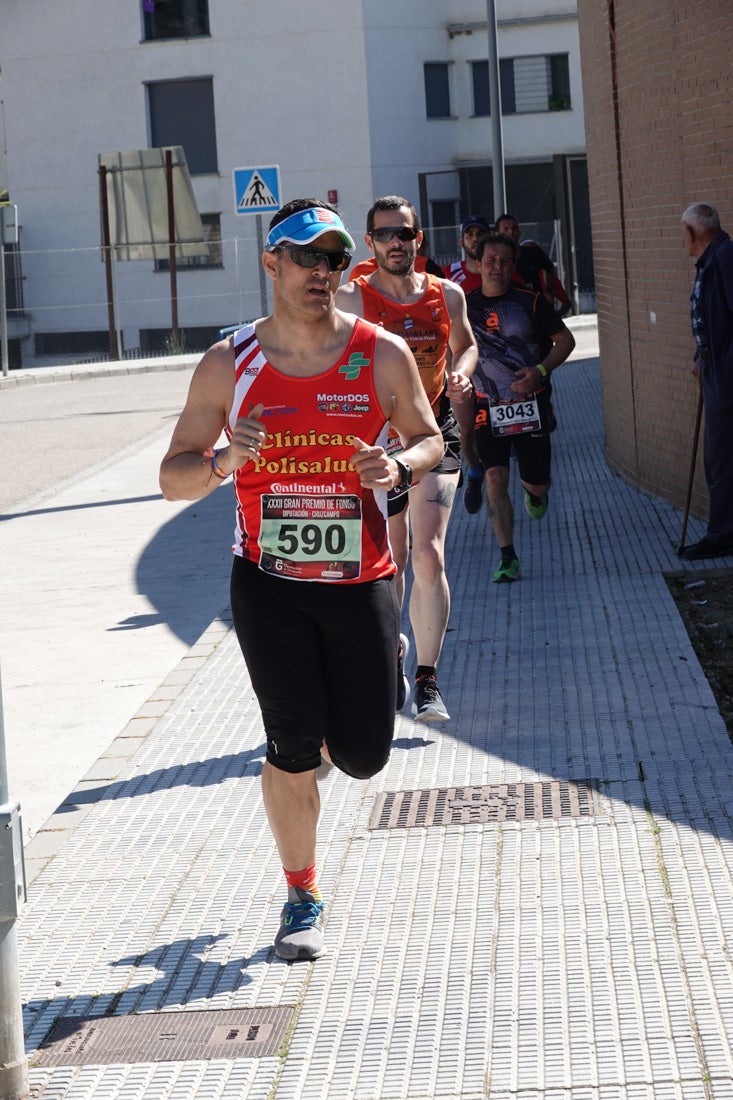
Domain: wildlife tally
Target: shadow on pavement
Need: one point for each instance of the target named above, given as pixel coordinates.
(162, 992)
(197, 773)
(78, 507)
(184, 570)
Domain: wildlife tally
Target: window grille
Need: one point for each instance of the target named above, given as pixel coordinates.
(528, 85)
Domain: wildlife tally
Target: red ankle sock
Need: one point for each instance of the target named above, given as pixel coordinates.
(305, 879)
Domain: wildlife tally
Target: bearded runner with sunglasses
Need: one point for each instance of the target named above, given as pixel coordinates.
(305, 397)
(429, 313)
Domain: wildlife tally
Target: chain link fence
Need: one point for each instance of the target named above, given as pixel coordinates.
(59, 310)
(444, 247)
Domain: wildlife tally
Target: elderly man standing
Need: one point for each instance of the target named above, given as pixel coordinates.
(711, 308)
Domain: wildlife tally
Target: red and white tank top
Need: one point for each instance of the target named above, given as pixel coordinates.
(301, 511)
(458, 273)
(424, 325)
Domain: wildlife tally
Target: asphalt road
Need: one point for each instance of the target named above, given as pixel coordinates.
(56, 431)
(104, 586)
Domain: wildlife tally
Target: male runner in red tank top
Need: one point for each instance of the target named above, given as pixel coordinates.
(305, 397)
(430, 315)
(465, 272)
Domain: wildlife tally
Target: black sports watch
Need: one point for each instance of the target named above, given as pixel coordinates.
(405, 476)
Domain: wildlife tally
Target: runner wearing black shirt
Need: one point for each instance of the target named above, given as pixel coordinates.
(512, 327)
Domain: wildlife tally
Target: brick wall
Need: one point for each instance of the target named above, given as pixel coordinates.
(658, 95)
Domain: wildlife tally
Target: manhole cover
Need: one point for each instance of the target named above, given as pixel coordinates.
(542, 801)
(164, 1037)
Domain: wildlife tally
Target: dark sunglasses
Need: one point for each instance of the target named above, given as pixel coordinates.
(312, 257)
(402, 232)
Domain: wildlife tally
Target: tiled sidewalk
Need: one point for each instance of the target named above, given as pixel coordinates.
(544, 944)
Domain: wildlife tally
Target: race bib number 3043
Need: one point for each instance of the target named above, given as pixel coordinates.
(311, 537)
(512, 417)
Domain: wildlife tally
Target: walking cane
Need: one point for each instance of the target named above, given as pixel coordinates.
(691, 478)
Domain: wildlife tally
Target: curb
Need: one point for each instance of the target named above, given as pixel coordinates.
(82, 372)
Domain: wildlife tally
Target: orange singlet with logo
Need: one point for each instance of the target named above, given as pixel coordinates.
(301, 511)
(367, 267)
(424, 325)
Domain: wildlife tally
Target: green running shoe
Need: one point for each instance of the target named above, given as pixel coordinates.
(537, 511)
(507, 571)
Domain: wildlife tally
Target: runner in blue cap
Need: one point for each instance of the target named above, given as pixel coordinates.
(305, 397)
(305, 226)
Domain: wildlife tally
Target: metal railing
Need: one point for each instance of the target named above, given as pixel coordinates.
(64, 313)
(59, 311)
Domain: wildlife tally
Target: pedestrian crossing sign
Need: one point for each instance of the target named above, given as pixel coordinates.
(257, 190)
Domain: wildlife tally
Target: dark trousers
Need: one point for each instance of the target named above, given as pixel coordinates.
(718, 460)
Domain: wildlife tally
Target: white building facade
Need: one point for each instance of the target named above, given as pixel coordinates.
(349, 99)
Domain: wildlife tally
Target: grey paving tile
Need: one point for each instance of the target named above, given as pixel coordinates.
(572, 959)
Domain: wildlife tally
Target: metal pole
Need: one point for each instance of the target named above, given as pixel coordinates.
(3, 311)
(572, 251)
(114, 351)
(238, 292)
(263, 278)
(13, 1061)
(116, 307)
(497, 141)
(171, 241)
(691, 477)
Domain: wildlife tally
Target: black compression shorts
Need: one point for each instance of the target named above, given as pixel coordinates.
(533, 450)
(322, 659)
(449, 463)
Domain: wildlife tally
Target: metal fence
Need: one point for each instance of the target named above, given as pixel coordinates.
(59, 310)
(444, 249)
(443, 242)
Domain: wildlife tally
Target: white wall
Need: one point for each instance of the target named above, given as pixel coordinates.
(331, 90)
(536, 136)
(78, 89)
(401, 37)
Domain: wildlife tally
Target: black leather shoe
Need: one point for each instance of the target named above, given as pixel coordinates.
(707, 549)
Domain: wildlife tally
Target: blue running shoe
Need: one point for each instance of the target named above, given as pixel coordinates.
(300, 935)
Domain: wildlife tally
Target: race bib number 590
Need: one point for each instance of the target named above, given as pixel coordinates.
(311, 538)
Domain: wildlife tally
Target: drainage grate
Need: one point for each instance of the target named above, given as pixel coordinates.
(164, 1037)
(542, 801)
